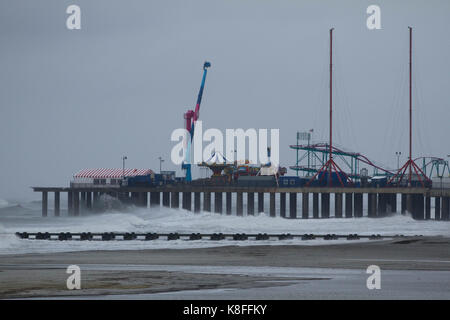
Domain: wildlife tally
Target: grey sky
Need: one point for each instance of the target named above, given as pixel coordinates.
(76, 99)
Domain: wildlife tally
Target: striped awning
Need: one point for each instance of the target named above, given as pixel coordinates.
(105, 173)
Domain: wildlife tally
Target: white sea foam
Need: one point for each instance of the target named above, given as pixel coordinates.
(166, 220)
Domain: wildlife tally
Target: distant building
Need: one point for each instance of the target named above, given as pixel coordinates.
(104, 177)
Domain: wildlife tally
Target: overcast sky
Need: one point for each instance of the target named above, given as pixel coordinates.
(74, 99)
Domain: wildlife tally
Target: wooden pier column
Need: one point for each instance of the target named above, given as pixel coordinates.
(272, 204)
(155, 199)
(372, 205)
(325, 197)
(57, 204)
(83, 200)
(403, 202)
(427, 207)
(250, 203)
(207, 201)
(239, 204)
(89, 201)
(338, 205)
(44, 203)
(315, 205)
(260, 201)
(382, 205)
(409, 203)
(228, 203)
(445, 215)
(135, 199)
(437, 208)
(282, 205)
(293, 205)
(174, 199)
(305, 205)
(349, 205)
(142, 199)
(393, 202)
(76, 203)
(197, 202)
(69, 203)
(187, 201)
(166, 199)
(218, 202)
(96, 198)
(358, 205)
(418, 207)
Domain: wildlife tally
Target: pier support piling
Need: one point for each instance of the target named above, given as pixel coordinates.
(174, 200)
(305, 205)
(239, 204)
(69, 203)
(338, 205)
(57, 204)
(393, 202)
(250, 203)
(143, 199)
(44, 203)
(358, 205)
(437, 208)
(315, 205)
(283, 205)
(418, 207)
(154, 199)
(293, 205)
(260, 201)
(89, 201)
(372, 205)
(166, 199)
(218, 202)
(382, 205)
(404, 201)
(207, 201)
(325, 205)
(197, 202)
(228, 203)
(76, 203)
(187, 201)
(445, 215)
(83, 200)
(272, 204)
(427, 208)
(349, 205)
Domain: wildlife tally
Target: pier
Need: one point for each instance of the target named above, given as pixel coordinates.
(348, 202)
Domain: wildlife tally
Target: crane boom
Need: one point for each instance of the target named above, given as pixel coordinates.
(191, 118)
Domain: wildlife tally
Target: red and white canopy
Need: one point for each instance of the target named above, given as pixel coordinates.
(105, 173)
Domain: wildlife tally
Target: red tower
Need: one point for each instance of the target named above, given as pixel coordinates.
(410, 165)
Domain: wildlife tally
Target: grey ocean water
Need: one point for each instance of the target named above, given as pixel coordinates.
(26, 216)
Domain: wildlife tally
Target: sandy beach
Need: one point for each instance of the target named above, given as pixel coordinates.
(150, 273)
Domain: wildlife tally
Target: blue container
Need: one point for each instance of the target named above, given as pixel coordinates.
(292, 181)
(323, 178)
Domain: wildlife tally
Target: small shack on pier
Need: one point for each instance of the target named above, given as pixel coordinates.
(105, 177)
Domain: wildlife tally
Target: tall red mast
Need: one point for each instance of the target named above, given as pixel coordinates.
(330, 165)
(331, 103)
(410, 102)
(410, 165)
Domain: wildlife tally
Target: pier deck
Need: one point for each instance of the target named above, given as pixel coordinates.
(348, 202)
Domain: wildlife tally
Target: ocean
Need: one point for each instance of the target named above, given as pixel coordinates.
(26, 216)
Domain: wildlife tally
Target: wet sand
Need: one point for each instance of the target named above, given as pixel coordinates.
(131, 272)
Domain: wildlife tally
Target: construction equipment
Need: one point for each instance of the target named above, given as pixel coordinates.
(191, 118)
